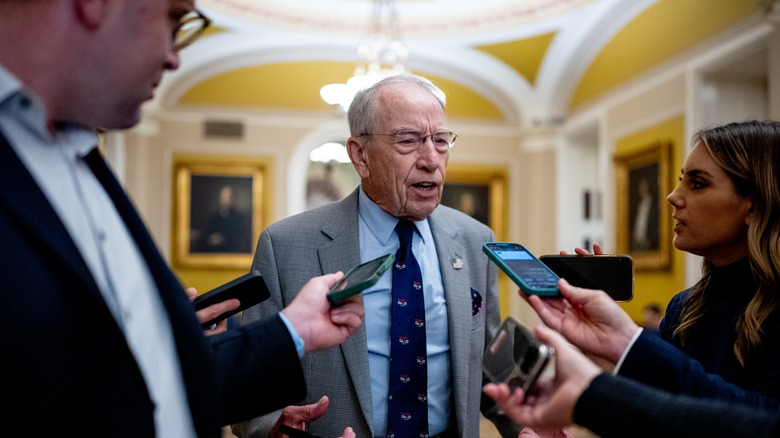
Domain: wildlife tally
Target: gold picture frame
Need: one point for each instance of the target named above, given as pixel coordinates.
(643, 218)
(479, 191)
(220, 206)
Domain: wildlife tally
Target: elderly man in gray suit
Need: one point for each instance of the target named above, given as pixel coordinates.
(400, 146)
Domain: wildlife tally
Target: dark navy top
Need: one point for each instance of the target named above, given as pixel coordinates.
(711, 340)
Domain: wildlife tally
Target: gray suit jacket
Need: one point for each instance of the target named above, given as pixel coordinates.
(325, 240)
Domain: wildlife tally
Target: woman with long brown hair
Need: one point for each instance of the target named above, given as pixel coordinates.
(727, 210)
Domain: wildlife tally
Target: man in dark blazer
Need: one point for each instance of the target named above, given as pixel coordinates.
(402, 177)
(100, 337)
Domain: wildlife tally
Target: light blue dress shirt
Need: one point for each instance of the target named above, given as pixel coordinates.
(378, 237)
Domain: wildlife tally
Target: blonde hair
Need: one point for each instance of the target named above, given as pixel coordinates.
(749, 154)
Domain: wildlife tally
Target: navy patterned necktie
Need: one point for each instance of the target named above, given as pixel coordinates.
(408, 400)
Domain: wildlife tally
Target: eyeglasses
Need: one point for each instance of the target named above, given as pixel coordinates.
(410, 141)
(191, 26)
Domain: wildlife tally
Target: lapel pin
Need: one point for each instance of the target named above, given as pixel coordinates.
(457, 262)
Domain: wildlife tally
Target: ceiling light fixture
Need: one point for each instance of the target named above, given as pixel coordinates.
(383, 55)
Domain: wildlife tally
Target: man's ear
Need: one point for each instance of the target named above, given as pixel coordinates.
(91, 13)
(357, 153)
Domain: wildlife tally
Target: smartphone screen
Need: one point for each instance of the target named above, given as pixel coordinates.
(533, 276)
(528, 268)
(614, 274)
(359, 278)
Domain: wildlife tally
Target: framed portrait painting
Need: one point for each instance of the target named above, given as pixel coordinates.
(480, 191)
(643, 215)
(220, 206)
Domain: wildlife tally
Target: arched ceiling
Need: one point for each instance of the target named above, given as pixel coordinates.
(289, 85)
(521, 61)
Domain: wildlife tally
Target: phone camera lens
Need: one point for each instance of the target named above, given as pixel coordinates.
(531, 354)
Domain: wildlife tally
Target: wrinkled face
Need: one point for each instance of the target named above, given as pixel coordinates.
(405, 184)
(137, 47)
(710, 218)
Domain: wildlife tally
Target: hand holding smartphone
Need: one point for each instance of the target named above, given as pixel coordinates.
(359, 278)
(249, 289)
(515, 357)
(533, 276)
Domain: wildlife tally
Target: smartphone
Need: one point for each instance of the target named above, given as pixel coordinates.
(249, 289)
(614, 274)
(359, 278)
(533, 276)
(515, 357)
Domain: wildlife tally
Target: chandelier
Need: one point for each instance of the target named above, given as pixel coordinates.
(381, 56)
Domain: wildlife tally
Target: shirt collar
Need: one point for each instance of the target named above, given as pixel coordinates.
(381, 223)
(8, 84)
(17, 99)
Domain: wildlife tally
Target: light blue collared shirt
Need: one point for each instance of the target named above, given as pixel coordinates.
(378, 237)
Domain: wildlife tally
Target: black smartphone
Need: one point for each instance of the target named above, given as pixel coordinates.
(359, 278)
(249, 289)
(614, 274)
(515, 357)
(533, 276)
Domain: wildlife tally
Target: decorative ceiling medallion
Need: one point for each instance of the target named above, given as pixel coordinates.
(419, 19)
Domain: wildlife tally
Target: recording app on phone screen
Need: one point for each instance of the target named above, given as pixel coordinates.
(528, 268)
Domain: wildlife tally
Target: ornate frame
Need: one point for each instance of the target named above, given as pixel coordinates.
(650, 163)
(252, 176)
(480, 178)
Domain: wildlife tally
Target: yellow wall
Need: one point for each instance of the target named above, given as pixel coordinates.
(660, 285)
(524, 56)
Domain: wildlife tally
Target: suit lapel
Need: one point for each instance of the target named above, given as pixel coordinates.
(25, 200)
(341, 254)
(456, 291)
(190, 348)
(130, 216)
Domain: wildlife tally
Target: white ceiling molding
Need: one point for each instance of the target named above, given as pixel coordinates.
(421, 18)
(577, 46)
(225, 52)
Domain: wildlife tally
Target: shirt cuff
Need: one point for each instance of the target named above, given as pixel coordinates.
(299, 343)
(625, 352)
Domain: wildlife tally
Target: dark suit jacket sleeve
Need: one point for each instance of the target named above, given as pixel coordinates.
(658, 363)
(618, 407)
(252, 380)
